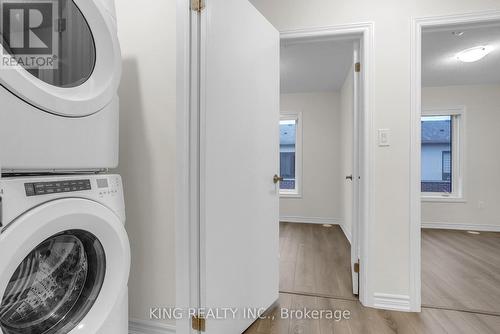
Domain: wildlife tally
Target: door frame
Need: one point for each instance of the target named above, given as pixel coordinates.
(187, 223)
(364, 32)
(418, 24)
(187, 226)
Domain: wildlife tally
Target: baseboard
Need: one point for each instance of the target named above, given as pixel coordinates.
(346, 233)
(310, 220)
(461, 227)
(391, 302)
(137, 326)
(317, 220)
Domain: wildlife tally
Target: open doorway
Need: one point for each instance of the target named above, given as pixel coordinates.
(319, 159)
(460, 95)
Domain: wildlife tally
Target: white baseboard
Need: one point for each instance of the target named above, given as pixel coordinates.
(346, 233)
(317, 220)
(461, 227)
(137, 326)
(391, 302)
(310, 220)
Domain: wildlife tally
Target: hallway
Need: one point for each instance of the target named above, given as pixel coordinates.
(315, 275)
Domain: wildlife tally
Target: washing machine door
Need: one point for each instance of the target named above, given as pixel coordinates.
(61, 56)
(64, 266)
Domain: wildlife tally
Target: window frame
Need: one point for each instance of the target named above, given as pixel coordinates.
(457, 155)
(297, 192)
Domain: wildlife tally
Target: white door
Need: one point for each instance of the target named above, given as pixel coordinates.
(71, 63)
(355, 162)
(239, 150)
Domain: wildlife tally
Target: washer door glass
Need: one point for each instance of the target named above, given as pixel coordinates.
(50, 39)
(55, 286)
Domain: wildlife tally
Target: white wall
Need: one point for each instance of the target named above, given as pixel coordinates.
(346, 148)
(482, 160)
(389, 247)
(321, 187)
(147, 148)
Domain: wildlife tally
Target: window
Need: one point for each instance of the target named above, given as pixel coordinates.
(290, 154)
(442, 154)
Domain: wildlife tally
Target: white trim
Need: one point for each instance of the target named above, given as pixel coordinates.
(391, 302)
(460, 227)
(347, 233)
(443, 199)
(311, 220)
(418, 24)
(318, 221)
(365, 31)
(296, 116)
(186, 245)
(137, 326)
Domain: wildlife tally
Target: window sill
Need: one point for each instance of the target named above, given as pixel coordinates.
(443, 199)
(290, 195)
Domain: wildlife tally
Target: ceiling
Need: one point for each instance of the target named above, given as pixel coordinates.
(319, 66)
(440, 67)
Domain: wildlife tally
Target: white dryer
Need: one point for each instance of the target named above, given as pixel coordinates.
(64, 256)
(59, 74)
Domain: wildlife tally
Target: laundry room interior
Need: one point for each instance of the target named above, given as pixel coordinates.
(214, 166)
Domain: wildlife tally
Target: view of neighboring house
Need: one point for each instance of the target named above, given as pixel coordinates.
(288, 135)
(436, 154)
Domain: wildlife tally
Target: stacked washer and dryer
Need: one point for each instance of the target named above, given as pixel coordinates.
(64, 251)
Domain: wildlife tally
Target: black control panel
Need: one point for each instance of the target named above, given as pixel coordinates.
(47, 188)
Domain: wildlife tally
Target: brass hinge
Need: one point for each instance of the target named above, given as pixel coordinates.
(198, 5)
(198, 323)
(357, 67)
(356, 267)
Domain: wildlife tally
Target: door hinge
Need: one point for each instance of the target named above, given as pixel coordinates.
(61, 25)
(357, 67)
(198, 5)
(356, 267)
(198, 323)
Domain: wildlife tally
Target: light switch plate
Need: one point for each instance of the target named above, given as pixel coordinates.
(384, 137)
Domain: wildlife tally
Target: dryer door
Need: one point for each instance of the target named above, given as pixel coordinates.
(61, 56)
(66, 264)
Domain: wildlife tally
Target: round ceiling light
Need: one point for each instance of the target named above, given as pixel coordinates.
(474, 54)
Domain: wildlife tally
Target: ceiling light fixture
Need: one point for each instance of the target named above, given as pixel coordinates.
(474, 54)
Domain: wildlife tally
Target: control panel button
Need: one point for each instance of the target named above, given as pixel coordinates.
(44, 188)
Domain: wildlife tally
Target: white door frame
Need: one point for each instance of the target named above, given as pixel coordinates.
(187, 165)
(187, 191)
(418, 24)
(365, 33)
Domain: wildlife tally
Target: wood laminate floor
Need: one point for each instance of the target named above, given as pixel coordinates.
(461, 271)
(315, 260)
(371, 321)
(460, 285)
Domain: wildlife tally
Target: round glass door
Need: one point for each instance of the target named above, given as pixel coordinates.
(55, 286)
(50, 39)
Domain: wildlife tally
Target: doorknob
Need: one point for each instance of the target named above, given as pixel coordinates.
(348, 177)
(277, 179)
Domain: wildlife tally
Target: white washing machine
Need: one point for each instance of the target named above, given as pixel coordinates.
(59, 74)
(64, 255)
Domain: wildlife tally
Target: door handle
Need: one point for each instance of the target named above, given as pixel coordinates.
(277, 179)
(349, 177)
